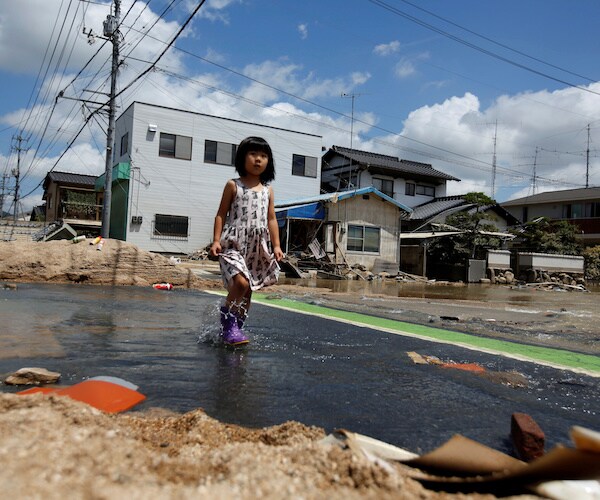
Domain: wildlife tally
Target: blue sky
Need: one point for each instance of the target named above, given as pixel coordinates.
(433, 80)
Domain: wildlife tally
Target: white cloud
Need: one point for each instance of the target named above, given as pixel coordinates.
(213, 9)
(524, 121)
(26, 36)
(407, 66)
(303, 30)
(404, 69)
(385, 49)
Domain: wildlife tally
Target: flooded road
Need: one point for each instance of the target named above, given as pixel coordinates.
(565, 320)
(298, 367)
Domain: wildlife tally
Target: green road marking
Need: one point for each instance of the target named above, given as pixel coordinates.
(556, 358)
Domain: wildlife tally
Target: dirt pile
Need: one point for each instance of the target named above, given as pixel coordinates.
(118, 263)
(54, 447)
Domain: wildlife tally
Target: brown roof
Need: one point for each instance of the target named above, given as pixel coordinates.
(378, 163)
(580, 194)
(80, 180)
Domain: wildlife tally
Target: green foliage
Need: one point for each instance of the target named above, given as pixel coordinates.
(80, 204)
(80, 197)
(591, 258)
(546, 236)
(471, 243)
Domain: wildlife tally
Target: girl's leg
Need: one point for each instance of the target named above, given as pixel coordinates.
(238, 295)
(243, 312)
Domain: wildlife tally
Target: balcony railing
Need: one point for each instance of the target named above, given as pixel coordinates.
(81, 211)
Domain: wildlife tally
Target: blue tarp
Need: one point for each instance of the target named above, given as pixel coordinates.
(311, 211)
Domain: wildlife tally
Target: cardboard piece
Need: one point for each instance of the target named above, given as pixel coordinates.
(462, 464)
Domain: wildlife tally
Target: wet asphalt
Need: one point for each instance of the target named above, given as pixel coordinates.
(297, 367)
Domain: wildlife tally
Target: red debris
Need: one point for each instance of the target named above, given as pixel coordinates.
(528, 439)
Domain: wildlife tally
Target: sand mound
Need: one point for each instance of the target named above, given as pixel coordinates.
(118, 263)
(53, 447)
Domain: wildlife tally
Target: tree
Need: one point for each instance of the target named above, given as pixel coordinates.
(546, 236)
(470, 243)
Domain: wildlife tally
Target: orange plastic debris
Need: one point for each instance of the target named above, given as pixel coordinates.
(34, 390)
(105, 396)
(470, 367)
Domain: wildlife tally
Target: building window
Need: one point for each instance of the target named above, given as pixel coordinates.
(221, 153)
(171, 225)
(363, 239)
(175, 146)
(125, 143)
(592, 209)
(386, 186)
(573, 211)
(425, 190)
(409, 190)
(305, 166)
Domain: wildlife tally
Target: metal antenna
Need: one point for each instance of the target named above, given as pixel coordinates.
(351, 96)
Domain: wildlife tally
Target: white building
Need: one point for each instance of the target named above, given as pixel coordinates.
(170, 167)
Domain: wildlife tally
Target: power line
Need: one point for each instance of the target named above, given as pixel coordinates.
(495, 42)
(440, 31)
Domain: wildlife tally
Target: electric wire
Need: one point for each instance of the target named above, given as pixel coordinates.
(495, 42)
(400, 13)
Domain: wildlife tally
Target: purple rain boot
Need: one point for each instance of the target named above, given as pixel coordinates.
(232, 334)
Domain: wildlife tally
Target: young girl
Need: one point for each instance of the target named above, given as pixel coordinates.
(244, 224)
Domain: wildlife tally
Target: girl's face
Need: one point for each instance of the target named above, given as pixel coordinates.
(256, 162)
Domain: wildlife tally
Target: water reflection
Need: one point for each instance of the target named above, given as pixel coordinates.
(450, 291)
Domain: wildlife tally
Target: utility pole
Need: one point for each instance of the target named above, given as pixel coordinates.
(111, 32)
(17, 173)
(2, 194)
(534, 178)
(493, 187)
(587, 159)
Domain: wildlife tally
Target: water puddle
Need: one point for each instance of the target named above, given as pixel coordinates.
(297, 367)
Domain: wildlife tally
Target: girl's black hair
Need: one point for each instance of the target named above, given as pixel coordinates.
(255, 144)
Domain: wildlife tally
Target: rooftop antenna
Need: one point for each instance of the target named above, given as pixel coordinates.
(351, 96)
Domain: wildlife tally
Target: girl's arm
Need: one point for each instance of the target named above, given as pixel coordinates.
(226, 199)
(273, 227)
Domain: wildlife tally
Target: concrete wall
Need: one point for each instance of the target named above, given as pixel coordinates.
(498, 259)
(549, 262)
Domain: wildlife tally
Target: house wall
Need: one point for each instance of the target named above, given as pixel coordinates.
(52, 202)
(492, 217)
(373, 212)
(366, 179)
(587, 227)
(193, 188)
(550, 210)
